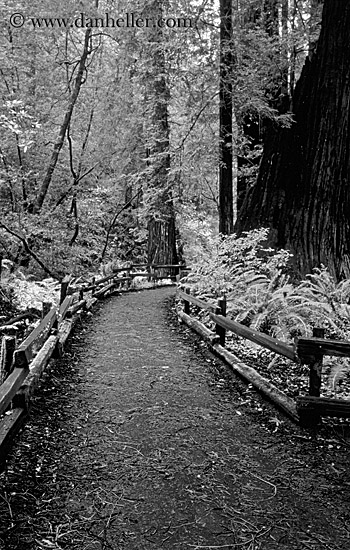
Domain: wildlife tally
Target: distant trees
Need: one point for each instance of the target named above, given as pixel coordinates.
(109, 135)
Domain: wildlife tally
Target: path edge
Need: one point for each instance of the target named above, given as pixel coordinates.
(247, 373)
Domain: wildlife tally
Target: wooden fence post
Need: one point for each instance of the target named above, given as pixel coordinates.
(187, 303)
(93, 280)
(310, 417)
(64, 288)
(316, 367)
(46, 306)
(81, 295)
(8, 346)
(221, 310)
(128, 275)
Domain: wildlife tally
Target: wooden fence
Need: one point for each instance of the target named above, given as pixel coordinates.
(308, 351)
(22, 366)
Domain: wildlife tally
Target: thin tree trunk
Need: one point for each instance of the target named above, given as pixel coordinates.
(23, 181)
(9, 181)
(74, 211)
(226, 126)
(67, 118)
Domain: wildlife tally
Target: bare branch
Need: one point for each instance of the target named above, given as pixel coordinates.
(126, 205)
(28, 249)
(194, 122)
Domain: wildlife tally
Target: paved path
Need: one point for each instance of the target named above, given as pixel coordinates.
(140, 440)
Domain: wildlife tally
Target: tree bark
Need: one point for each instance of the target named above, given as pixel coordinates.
(302, 192)
(226, 122)
(67, 118)
(161, 223)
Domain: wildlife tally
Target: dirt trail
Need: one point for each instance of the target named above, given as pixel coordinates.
(140, 439)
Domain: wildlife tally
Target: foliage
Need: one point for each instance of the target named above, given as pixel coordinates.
(31, 294)
(105, 157)
(260, 291)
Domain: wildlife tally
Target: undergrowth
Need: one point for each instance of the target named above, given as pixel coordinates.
(262, 294)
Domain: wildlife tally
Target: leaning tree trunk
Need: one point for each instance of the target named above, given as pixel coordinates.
(161, 223)
(303, 191)
(64, 126)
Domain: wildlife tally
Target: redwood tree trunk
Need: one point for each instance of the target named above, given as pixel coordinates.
(303, 191)
(226, 105)
(161, 223)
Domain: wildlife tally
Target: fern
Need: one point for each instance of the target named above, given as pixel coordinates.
(259, 291)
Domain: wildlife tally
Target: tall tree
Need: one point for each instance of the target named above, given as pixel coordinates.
(161, 222)
(302, 192)
(226, 125)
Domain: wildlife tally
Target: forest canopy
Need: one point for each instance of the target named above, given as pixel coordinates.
(110, 135)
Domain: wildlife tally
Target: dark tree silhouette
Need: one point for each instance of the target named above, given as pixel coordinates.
(303, 189)
(226, 104)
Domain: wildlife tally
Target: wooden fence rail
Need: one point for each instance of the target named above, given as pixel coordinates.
(131, 274)
(308, 351)
(10, 387)
(257, 337)
(314, 346)
(187, 298)
(25, 353)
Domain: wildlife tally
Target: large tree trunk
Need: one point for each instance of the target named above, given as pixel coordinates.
(161, 224)
(303, 191)
(226, 126)
(161, 244)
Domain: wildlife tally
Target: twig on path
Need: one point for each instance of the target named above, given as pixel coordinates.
(212, 547)
(324, 544)
(268, 483)
(6, 500)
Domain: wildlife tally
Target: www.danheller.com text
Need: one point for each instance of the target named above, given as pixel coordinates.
(83, 21)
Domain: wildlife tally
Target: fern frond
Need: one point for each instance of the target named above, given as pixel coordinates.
(338, 371)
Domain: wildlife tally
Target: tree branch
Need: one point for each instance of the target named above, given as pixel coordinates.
(66, 193)
(115, 219)
(28, 249)
(194, 122)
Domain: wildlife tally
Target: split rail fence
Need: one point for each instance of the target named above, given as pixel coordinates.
(21, 366)
(308, 351)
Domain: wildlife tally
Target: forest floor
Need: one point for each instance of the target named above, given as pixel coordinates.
(141, 439)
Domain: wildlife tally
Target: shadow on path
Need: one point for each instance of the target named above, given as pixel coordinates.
(140, 440)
